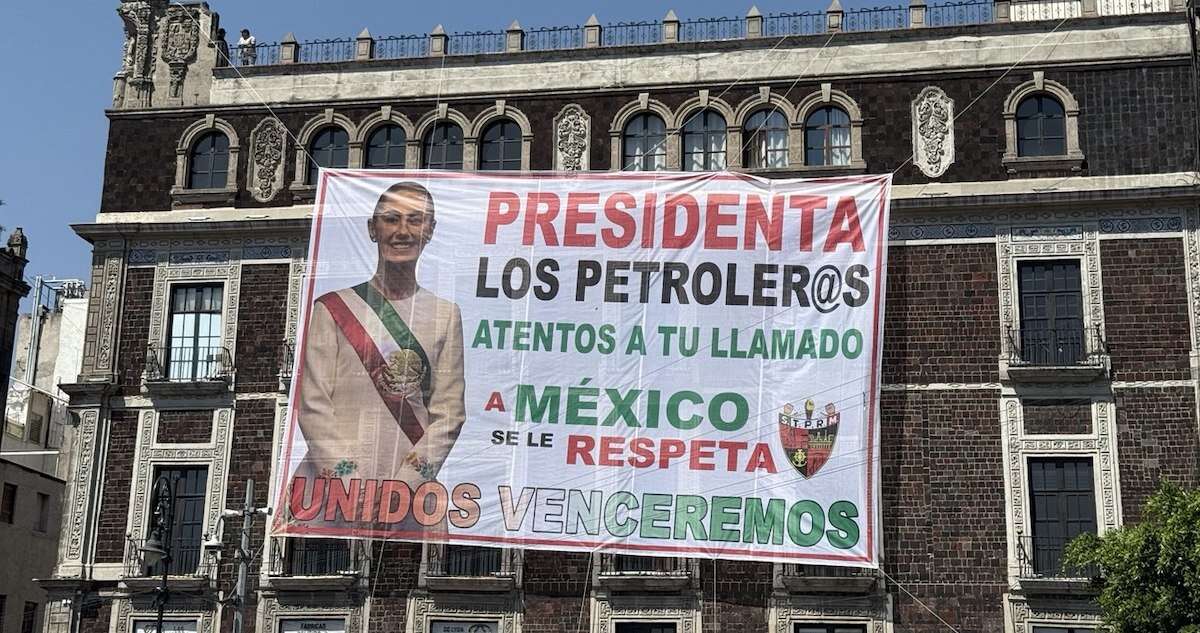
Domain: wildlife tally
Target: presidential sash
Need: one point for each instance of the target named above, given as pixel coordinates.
(388, 350)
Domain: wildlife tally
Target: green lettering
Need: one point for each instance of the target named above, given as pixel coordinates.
(545, 407)
(656, 508)
(689, 515)
(844, 534)
(615, 526)
(763, 527)
(795, 523)
(724, 518)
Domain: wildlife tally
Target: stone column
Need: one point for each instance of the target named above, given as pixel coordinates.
(916, 14)
(592, 33)
(438, 41)
(514, 38)
(364, 46)
(754, 22)
(670, 27)
(1003, 9)
(833, 16)
(289, 49)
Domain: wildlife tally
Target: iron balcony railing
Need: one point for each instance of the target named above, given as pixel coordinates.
(401, 46)
(287, 358)
(476, 43)
(257, 55)
(875, 19)
(315, 557)
(554, 38)
(826, 571)
(631, 33)
(956, 13)
(1042, 557)
(188, 364)
(465, 560)
(188, 558)
(643, 565)
(335, 50)
(1032, 347)
(806, 23)
(712, 29)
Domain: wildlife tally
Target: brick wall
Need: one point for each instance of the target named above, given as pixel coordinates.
(1056, 417)
(134, 329)
(185, 427)
(734, 595)
(95, 619)
(118, 474)
(394, 577)
(942, 320)
(555, 585)
(262, 317)
(1156, 440)
(1145, 309)
(944, 507)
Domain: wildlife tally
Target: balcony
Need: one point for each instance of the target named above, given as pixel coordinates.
(1041, 568)
(825, 579)
(192, 566)
(187, 371)
(313, 564)
(287, 357)
(625, 572)
(1041, 356)
(469, 568)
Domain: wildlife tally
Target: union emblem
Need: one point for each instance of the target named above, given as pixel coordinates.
(404, 372)
(807, 436)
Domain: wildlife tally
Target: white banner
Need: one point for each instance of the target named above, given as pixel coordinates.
(663, 364)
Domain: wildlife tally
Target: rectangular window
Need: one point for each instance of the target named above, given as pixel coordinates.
(1062, 506)
(43, 516)
(194, 349)
(29, 618)
(3, 604)
(468, 560)
(1056, 629)
(1051, 312)
(317, 557)
(806, 627)
(8, 503)
(645, 627)
(185, 533)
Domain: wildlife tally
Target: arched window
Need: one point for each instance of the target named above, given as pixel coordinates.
(330, 148)
(1041, 127)
(827, 137)
(208, 165)
(385, 148)
(501, 146)
(644, 143)
(443, 147)
(766, 141)
(704, 142)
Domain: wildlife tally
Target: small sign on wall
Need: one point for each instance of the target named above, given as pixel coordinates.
(169, 626)
(450, 626)
(307, 625)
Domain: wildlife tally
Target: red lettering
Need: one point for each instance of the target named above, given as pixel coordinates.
(714, 220)
(760, 459)
(669, 449)
(342, 501)
(466, 505)
(495, 402)
(580, 447)
(543, 220)
(643, 450)
(496, 217)
(845, 227)
(807, 206)
(733, 448)
(394, 502)
(673, 237)
(368, 513)
(425, 515)
(701, 450)
(757, 222)
(616, 210)
(300, 511)
(577, 216)
(650, 202)
(611, 448)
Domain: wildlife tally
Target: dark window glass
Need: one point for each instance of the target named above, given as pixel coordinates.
(8, 503)
(443, 147)
(827, 137)
(645, 627)
(187, 526)
(1059, 629)
(317, 556)
(1051, 312)
(704, 142)
(1062, 506)
(29, 618)
(330, 148)
(644, 144)
(468, 560)
(386, 147)
(766, 140)
(501, 146)
(208, 167)
(43, 516)
(194, 349)
(1041, 127)
(3, 606)
(806, 627)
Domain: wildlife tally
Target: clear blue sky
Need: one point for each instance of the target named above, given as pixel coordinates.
(60, 56)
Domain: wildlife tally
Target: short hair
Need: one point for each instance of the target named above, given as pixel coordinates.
(403, 188)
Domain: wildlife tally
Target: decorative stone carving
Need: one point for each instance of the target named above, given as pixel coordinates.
(933, 131)
(572, 138)
(84, 445)
(138, 53)
(268, 146)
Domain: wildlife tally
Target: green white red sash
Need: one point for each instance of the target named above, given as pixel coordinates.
(378, 334)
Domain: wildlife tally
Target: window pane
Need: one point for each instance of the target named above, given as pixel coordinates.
(208, 164)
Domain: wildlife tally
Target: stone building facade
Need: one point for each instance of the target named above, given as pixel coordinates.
(1041, 332)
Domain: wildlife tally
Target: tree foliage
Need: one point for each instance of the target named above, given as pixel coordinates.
(1151, 570)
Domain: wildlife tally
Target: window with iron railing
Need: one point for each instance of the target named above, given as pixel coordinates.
(629, 563)
(194, 350)
(317, 557)
(187, 519)
(807, 627)
(1062, 506)
(468, 560)
(1052, 331)
(645, 627)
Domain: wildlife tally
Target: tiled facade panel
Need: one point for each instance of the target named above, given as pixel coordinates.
(1057, 417)
(134, 329)
(95, 619)
(140, 165)
(395, 574)
(943, 507)
(1156, 440)
(734, 595)
(262, 318)
(1146, 309)
(555, 583)
(113, 521)
(185, 427)
(942, 320)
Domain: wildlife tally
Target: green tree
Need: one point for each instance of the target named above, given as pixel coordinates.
(1151, 570)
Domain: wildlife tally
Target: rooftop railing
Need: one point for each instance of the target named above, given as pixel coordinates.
(671, 29)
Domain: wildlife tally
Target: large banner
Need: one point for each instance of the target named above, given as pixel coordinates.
(649, 363)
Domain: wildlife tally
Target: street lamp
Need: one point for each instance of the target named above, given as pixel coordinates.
(157, 548)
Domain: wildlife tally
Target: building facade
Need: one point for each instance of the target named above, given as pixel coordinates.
(1041, 336)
